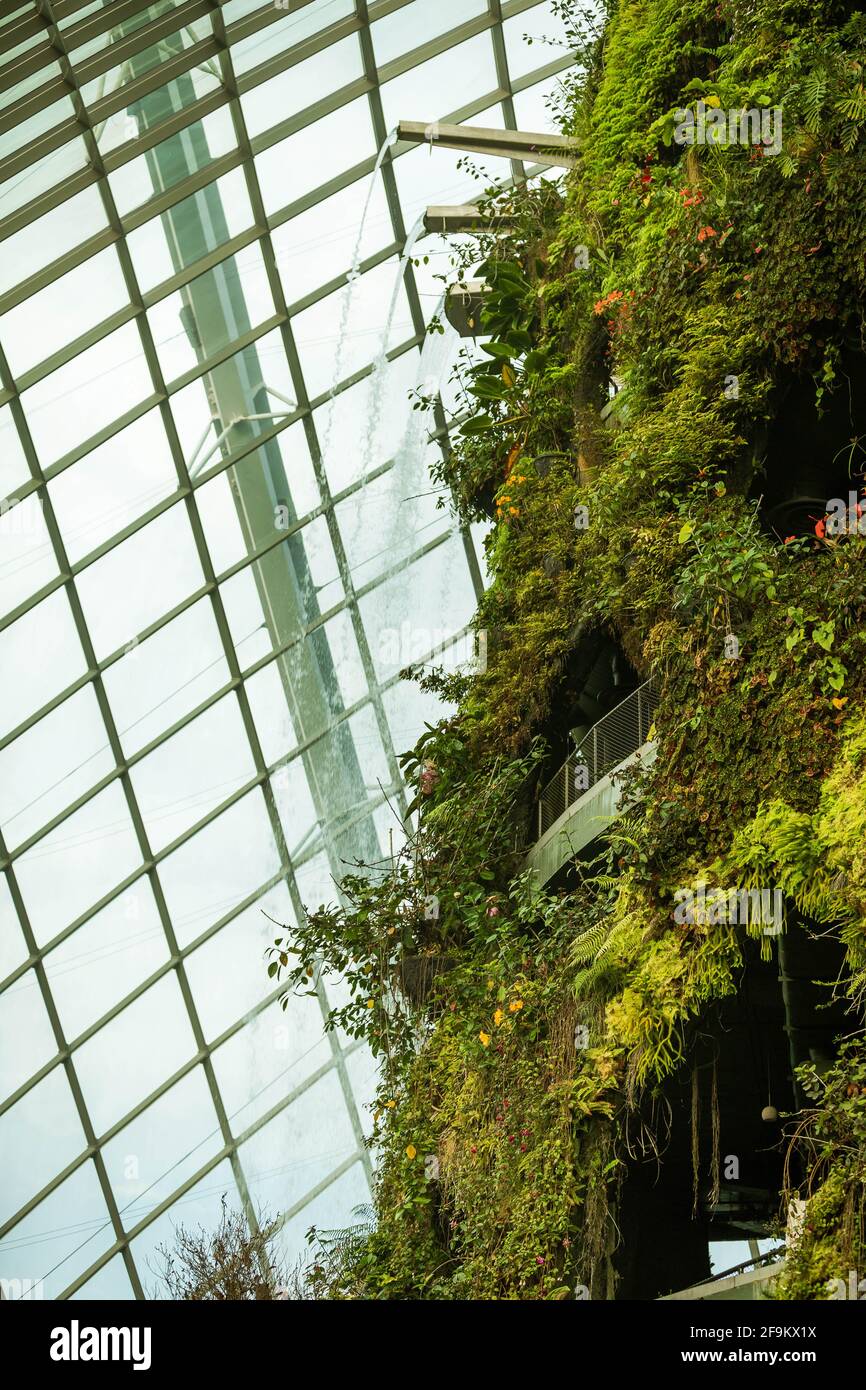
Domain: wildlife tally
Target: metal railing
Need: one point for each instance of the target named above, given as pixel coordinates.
(617, 734)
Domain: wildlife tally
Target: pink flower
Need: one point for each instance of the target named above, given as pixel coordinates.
(428, 779)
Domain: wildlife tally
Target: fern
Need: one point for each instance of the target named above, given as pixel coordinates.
(814, 96)
(590, 942)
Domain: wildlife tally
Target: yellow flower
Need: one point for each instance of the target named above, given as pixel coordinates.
(389, 1105)
(515, 1005)
(838, 703)
(514, 511)
(713, 101)
(369, 1003)
(411, 1151)
(498, 1017)
(484, 1038)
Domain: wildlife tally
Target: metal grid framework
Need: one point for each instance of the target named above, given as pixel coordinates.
(70, 71)
(617, 735)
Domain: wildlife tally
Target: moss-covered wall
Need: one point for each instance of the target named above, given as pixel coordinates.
(723, 286)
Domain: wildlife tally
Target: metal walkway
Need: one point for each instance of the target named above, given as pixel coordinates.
(582, 799)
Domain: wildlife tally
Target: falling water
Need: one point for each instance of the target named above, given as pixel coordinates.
(351, 278)
(380, 361)
(409, 480)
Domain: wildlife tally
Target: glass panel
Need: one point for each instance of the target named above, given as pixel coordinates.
(110, 1283)
(371, 755)
(184, 779)
(172, 160)
(320, 244)
(20, 136)
(433, 597)
(200, 1207)
(312, 1136)
(363, 426)
(13, 948)
(363, 1077)
(152, 1036)
(353, 326)
(535, 109)
(158, 681)
(408, 708)
(295, 804)
(165, 1145)
(48, 627)
(95, 388)
(251, 503)
(113, 485)
(50, 237)
(159, 106)
(253, 390)
(104, 960)
(39, 1136)
(316, 154)
(78, 863)
(288, 31)
(391, 517)
(443, 84)
(52, 764)
(27, 1041)
(302, 85)
(533, 39)
(191, 229)
(267, 698)
(45, 173)
(267, 607)
(212, 312)
(414, 24)
(149, 57)
(63, 1236)
(28, 560)
(331, 1209)
(13, 464)
(139, 580)
(51, 319)
(229, 974)
(272, 1055)
(206, 878)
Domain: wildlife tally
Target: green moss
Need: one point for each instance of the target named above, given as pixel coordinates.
(703, 264)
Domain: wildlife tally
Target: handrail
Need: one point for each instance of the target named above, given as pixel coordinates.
(609, 742)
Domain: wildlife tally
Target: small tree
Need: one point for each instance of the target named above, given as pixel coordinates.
(229, 1265)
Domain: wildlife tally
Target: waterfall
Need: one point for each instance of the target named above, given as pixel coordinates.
(351, 278)
(380, 362)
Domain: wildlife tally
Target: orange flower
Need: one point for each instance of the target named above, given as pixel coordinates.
(706, 232)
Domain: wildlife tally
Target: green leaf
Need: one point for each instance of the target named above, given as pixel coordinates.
(685, 532)
(477, 425)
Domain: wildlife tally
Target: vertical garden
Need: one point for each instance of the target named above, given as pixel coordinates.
(670, 395)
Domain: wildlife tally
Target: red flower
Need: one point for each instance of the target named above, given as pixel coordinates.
(706, 232)
(820, 529)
